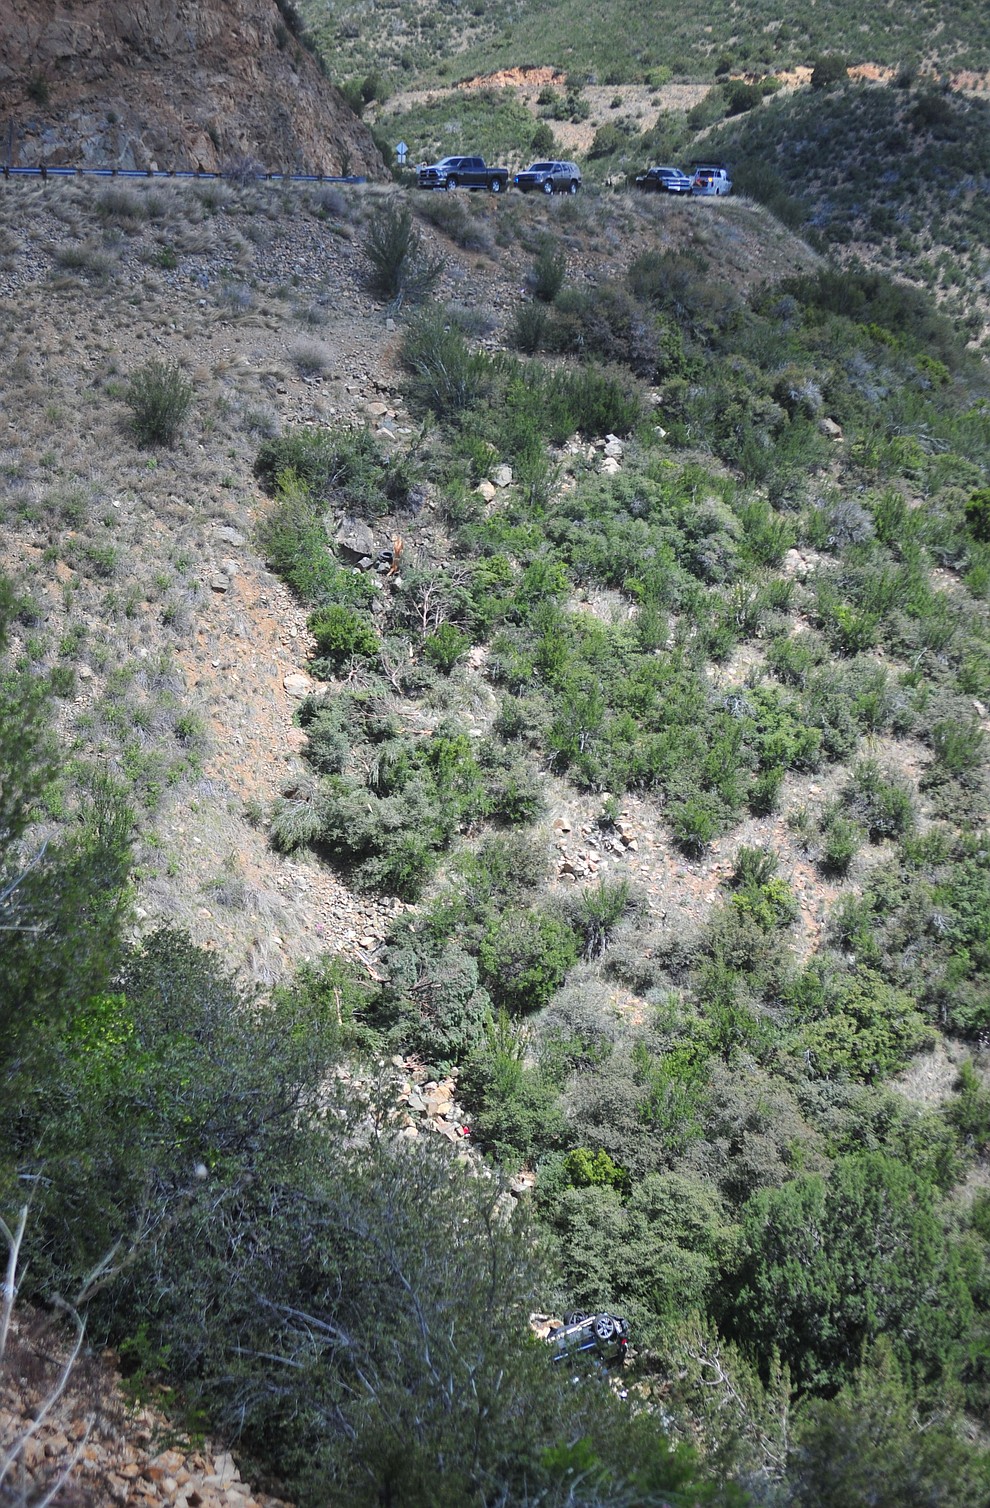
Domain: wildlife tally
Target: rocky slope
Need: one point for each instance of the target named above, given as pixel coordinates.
(170, 84)
(84, 1445)
(266, 310)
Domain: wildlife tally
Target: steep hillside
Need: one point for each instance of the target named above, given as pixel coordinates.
(625, 41)
(172, 84)
(260, 296)
(896, 177)
(537, 647)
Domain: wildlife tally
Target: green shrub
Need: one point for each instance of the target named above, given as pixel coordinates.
(433, 1004)
(969, 1112)
(159, 398)
(978, 515)
(740, 96)
(764, 793)
(294, 541)
(959, 748)
(344, 464)
(342, 634)
(694, 825)
(524, 957)
(607, 140)
(38, 89)
(400, 268)
(828, 70)
(841, 841)
(883, 805)
(549, 270)
(590, 401)
(858, 1026)
(529, 328)
(607, 323)
(445, 376)
(584, 1169)
(599, 910)
(446, 646)
(516, 1108)
(452, 215)
(829, 1264)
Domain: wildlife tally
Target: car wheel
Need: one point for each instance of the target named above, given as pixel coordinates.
(451, 183)
(575, 1318)
(496, 185)
(548, 186)
(573, 188)
(604, 1327)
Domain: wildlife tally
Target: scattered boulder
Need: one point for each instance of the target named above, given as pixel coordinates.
(356, 537)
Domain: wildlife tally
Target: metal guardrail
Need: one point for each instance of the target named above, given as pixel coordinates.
(65, 172)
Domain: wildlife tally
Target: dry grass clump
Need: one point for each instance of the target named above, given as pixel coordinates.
(311, 358)
(89, 260)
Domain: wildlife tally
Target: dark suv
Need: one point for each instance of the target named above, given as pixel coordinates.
(663, 181)
(549, 178)
(606, 1334)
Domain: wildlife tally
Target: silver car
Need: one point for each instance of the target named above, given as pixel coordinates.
(549, 178)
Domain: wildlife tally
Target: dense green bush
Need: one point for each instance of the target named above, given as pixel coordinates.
(837, 1460)
(608, 324)
(740, 96)
(829, 1266)
(433, 1004)
(654, 1257)
(391, 804)
(345, 465)
(518, 407)
(855, 1025)
(828, 70)
(524, 956)
(444, 376)
(342, 634)
(978, 514)
(293, 538)
(882, 804)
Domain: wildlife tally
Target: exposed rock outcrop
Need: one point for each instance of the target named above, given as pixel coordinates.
(170, 84)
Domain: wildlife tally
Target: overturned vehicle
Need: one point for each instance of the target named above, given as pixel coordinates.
(604, 1334)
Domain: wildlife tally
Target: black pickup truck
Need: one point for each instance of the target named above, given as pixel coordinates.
(461, 172)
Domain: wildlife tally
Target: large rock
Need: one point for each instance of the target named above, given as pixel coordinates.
(171, 84)
(356, 537)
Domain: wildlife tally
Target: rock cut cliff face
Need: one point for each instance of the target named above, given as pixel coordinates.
(170, 84)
